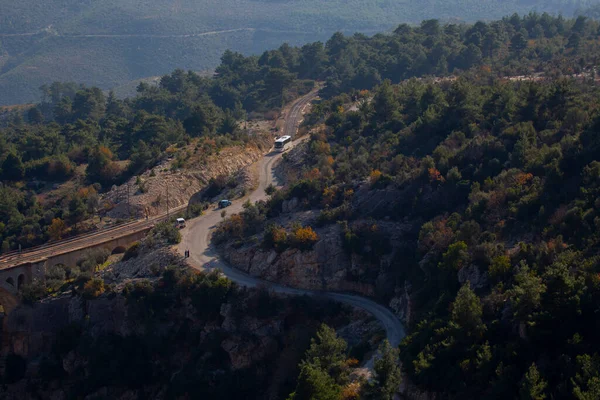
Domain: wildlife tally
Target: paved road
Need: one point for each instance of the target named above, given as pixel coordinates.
(204, 257)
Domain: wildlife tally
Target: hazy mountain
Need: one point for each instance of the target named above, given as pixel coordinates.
(112, 42)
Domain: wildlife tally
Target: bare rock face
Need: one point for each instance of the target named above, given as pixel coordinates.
(376, 203)
(402, 303)
(71, 362)
(243, 353)
(30, 331)
(472, 274)
(326, 266)
(183, 184)
(289, 206)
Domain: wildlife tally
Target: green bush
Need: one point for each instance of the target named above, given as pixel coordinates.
(93, 288)
(93, 258)
(33, 292)
(275, 237)
(166, 231)
(196, 210)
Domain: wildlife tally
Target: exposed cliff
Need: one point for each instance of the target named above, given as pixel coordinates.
(182, 176)
(162, 331)
(334, 262)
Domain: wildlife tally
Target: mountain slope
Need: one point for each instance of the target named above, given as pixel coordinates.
(115, 41)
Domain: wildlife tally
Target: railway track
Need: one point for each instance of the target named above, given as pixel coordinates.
(15, 258)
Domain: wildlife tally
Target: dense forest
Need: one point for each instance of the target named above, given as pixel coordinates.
(77, 126)
(498, 179)
(502, 176)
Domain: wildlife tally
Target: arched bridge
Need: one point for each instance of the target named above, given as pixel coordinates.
(20, 268)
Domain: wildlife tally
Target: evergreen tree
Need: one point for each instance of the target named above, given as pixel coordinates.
(13, 168)
(387, 377)
(533, 386)
(467, 310)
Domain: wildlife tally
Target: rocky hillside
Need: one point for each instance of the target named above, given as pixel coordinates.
(329, 263)
(187, 172)
(149, 327)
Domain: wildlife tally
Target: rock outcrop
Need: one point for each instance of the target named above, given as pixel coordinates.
(181, 184)
(327, 266)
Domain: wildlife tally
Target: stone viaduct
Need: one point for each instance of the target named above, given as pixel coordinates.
(23, 268)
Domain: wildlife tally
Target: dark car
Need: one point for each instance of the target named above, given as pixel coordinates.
(224, 203)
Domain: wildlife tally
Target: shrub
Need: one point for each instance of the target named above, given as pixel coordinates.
(275, 237)
(99, 256)
(132, 251)
(196, 210)
(215, 186)
(304, 238)
(269, 190)
(138, 290)
(143, 186)
(93, 288)
(57, 229)
(168, 231)
(366, 240)
(500, 266)
(93, 258)
(456, 257)
(56, 272)
(374, 177)
(33, 292)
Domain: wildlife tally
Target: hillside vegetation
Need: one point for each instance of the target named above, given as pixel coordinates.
(76, 128)
(112, 42)
(497, 181)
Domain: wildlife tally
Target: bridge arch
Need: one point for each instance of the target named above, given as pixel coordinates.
(20, 281)
(119, 250)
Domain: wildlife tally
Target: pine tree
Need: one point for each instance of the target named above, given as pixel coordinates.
(13, 168)
(532, 385)
(467, 310)
(387, 374)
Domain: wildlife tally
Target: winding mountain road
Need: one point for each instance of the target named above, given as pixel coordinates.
(203, 256)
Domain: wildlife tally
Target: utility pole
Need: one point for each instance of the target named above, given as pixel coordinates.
(128, 203)
(167, 201)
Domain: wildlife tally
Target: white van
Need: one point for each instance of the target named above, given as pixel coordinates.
(180, 223)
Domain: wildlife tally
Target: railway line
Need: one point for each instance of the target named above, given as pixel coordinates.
(15, 258)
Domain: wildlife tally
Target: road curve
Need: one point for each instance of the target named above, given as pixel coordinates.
(203, 256)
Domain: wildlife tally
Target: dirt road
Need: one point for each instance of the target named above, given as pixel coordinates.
(204, 257)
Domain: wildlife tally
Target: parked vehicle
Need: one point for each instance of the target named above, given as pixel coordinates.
(180, 223)
(224, 203)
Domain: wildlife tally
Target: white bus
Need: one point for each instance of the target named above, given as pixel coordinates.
(283, 143)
